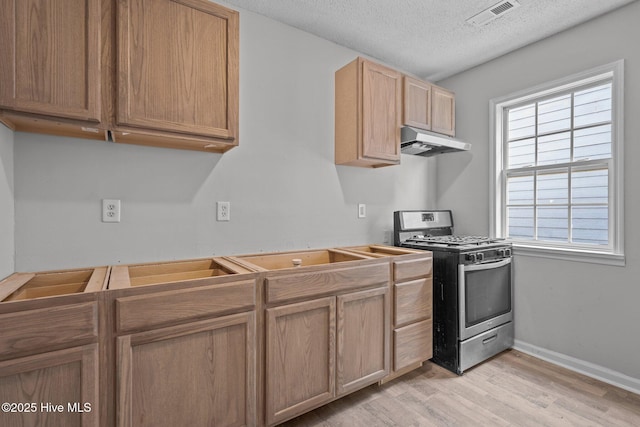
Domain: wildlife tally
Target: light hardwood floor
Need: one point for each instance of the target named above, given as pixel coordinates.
(512, 389)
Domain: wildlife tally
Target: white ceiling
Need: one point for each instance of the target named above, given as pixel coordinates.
(429, 38)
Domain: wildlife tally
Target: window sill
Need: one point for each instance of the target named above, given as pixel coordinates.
(577, 255)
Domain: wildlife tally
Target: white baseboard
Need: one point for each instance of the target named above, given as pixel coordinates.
(592, 370)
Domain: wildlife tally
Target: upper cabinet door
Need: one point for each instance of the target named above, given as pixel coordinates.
(50, 57)
(417, 103)
(178, 67)
(381, 112)
(443, 115)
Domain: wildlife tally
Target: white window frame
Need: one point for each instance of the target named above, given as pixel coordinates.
(497, 188)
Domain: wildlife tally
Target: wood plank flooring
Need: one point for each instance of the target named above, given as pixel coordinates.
(512, 389)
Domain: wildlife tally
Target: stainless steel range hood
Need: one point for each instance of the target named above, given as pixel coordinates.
(423, 143)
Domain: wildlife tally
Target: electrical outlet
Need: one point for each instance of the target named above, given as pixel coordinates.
(224, 211)
(110, 210)
(362, 210)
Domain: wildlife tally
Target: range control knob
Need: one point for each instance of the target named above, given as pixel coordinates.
(472, 257)
(504, 252)
(480, 256)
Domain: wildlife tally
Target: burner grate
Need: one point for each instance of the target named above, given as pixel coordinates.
(453, 240)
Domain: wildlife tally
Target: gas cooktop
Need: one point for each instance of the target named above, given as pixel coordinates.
(453, 240)
(433, 230)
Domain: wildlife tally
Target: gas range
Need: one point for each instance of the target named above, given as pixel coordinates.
(472, 288)
(433, 231)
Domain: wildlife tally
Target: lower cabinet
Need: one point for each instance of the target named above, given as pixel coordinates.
(49, 350)
(321, 349)
(197, 374)
(184, 352)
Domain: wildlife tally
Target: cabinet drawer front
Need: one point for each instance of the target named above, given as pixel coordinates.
(412, 344)
(35, 331)
(161, 308)
(412, 269)
(292, 286)
(413, 301)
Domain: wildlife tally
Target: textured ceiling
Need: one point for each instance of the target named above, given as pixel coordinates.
(429, 38)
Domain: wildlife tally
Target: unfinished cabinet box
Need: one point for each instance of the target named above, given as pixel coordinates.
(412, 308)
(335, 302)
(368, 112)
(195, 323)
(49, 346)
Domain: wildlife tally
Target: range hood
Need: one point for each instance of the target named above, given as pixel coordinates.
(423, 143)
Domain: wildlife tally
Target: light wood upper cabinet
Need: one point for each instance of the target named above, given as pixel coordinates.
(152, 72)
(416, 109)
(367, 114)
(50, 65)
(443, 111)
(177, 72)
(50, 57)
(427, 106)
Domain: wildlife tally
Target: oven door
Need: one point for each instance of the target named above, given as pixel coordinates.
(485, 296)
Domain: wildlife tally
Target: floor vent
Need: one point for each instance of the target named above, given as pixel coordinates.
(493, 12)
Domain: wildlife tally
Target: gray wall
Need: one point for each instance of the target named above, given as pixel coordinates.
(7, 241)
(588, 312)
(285, 191)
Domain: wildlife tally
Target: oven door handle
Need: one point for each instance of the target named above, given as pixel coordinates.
(488, 265)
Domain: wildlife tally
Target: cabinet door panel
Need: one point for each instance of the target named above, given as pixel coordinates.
(443, 116)
(417, 103)
(50, 57)
(198, 374)
(65, 377)
(381, 96)
(300, 350)
(363, 339)
(178, 67)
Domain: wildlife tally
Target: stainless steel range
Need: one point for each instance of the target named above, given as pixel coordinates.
(472, 288)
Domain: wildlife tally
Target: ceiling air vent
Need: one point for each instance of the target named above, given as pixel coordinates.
(493, 12)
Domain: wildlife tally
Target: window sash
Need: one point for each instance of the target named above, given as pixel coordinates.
(571, 169)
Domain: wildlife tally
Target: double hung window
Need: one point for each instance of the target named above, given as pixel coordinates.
(558, 166)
